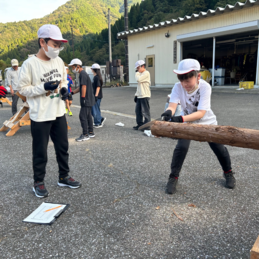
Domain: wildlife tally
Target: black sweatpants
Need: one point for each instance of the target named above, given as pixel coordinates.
(182, 148)
(41, 131)
(142, 110)
(86, 119)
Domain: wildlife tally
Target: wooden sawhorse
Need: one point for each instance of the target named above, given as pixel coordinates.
(5, 100)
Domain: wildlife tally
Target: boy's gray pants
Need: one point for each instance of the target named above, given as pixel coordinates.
(15, 99)
(142, 111)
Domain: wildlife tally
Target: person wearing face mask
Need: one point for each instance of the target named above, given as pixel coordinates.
(42, 79)
(194, 95)
(12, 78)
(87, 100)
(142, 95)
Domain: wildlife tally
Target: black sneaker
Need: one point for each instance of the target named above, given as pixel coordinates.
(230, 180)
(91, 135)
(68, 182)
(136, 127)
(171, 185)
(82, 138)
(97, 126)
(40, 190)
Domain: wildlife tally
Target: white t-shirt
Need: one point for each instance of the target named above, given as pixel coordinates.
(198, 100)
(33, 74)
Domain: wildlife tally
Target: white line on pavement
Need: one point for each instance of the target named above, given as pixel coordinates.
(110, 112)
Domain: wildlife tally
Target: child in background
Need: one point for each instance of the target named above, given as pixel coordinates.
(86, 100)
(194, 95)
(98, 95)
(142, 95)
(70, 98)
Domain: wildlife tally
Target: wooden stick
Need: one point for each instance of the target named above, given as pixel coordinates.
(227, 135)
(254, 253)
(177, 215)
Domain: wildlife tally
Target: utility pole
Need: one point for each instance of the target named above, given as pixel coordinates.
(126, 28)
(110, 44)
(73, 42)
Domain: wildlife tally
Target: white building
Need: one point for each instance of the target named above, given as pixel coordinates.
(224, 38)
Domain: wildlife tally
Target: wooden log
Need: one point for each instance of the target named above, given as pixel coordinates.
(227, 135)
(254, 253)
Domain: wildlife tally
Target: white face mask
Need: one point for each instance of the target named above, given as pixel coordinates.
(75, 71)
(52, 52)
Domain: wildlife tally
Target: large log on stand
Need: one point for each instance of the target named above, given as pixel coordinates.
(227, 135)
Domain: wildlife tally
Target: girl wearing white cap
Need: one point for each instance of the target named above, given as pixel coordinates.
(194, 95)
(98, 94)
(43, 79)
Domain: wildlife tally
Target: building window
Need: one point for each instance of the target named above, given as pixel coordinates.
(175, 52)
(150, 62)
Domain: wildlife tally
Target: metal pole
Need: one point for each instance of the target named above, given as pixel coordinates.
(213, 61)
(126, 28)
(257, 66)
(110, 44)
(73, 42)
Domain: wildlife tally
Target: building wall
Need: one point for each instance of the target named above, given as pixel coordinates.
(163, 47)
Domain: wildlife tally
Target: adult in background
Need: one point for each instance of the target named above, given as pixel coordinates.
(70, 98)
(142, 95)
(40, 80)
(87, 100)
(98, 94)
(12, 78)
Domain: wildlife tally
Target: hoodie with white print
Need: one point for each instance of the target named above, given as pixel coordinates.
(33, 74)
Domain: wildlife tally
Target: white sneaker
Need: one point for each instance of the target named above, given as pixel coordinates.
(103, 120)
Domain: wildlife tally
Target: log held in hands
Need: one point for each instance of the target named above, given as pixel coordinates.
(227, 135)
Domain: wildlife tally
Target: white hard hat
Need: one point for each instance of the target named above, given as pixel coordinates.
(75, 61)
(139, 63)
(96, 66)
(50, 31)
(187, 65)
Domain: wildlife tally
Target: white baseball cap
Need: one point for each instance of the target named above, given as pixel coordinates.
(14, 62)
(96, 66)
(139, 63)
(66, 67)
(50, 31)
(75, 61)
(187, 65)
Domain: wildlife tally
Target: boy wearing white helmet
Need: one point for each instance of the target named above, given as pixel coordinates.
(142, 95)
(12, 78)
(98, 94)
(86, 100)
(194, 95)
(43, 80)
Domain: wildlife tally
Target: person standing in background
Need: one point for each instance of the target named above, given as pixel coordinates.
(87, 100)
(142, 95)
(70, 98)
(98, 94)
(12, 78)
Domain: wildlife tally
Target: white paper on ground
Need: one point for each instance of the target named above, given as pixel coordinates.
(238, 89)
(119, 124)
(148, 133)
(46, 213)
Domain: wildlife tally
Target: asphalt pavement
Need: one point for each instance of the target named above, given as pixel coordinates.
(122, 210)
